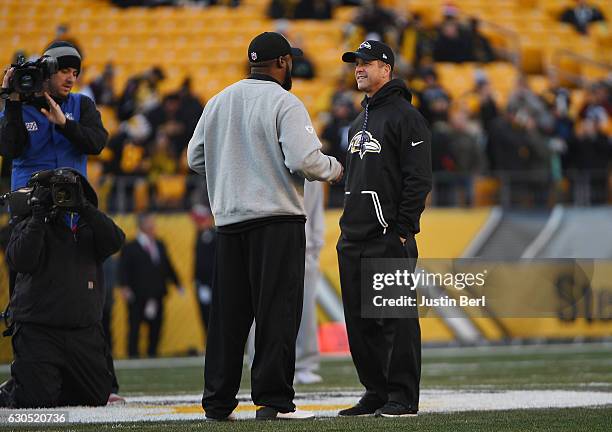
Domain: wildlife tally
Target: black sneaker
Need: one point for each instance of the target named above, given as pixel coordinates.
(358, 410)
(395, 409)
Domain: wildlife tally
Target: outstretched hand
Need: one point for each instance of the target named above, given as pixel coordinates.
(339, 178)
(54, 114)
(7, 77)
(14, 96)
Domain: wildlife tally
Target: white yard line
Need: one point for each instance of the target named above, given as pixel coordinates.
(187, 407)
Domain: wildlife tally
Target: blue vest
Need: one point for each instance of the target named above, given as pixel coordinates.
(48, 149)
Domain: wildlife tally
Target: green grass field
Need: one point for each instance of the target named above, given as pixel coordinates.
(580, 367)
(571, 419)
(559, 367)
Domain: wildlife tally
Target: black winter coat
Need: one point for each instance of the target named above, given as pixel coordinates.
(60, 280)
(389, 174)
(146, 279)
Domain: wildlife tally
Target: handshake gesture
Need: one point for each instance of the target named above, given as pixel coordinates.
(339, 176)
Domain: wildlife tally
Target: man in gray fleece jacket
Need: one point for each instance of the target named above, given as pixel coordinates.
(255, 144)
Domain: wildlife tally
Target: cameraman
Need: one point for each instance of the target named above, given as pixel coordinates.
(56, 305)
(55, 129)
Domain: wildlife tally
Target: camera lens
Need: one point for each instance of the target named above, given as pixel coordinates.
(26, 83)
(63, 195)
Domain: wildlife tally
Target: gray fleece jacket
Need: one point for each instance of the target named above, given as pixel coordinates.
(255, 144)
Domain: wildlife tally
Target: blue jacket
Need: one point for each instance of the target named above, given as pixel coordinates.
(35, 144)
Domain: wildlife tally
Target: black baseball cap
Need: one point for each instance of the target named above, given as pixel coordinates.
(371, 50)
(270, 45)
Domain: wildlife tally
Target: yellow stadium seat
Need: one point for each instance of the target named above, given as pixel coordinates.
(170, 190)
(577, 98)
(532, 58)
(94, 172)
(593, 72)
(458, 79)
(538, 83)
(109, 120)
(555, 7)
(344, 13)
(486, 190)
(141, 195)
(569, 67)
(602, 35)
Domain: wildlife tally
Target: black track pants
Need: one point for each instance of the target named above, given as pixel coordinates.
(56, 367)
(386, 352)
(259, 274)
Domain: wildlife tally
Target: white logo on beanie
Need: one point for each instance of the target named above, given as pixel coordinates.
(384, 56)
(365, 45)
(253, 56)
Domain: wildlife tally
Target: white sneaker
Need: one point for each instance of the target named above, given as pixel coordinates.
(115, 399)
(231, 417)
(306, 377)
(296, 415)
(268, 413)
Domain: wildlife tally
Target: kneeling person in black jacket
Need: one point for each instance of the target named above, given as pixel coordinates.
(56, 305)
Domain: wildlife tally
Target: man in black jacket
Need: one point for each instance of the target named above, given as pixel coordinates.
(144, 270)
(388, 179)
(56, 305)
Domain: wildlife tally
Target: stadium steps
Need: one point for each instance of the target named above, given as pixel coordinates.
(505, 235)
(514, 233)
(579, 235)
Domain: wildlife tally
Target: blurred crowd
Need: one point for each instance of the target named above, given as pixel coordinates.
(150, 144)
(532, 142)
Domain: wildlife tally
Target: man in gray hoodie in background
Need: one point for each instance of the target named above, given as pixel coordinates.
(255, 144)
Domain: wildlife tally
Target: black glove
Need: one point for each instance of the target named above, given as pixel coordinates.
(41, 195)
(41, 202)
(39, 212)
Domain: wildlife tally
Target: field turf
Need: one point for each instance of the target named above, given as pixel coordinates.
(580, 367)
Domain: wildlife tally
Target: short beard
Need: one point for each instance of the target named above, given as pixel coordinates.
(55, 91)
(287, 83)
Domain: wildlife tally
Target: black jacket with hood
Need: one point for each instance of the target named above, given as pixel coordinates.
(60, 281)
(389, 170)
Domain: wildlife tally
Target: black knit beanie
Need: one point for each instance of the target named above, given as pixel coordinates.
(66, 54)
